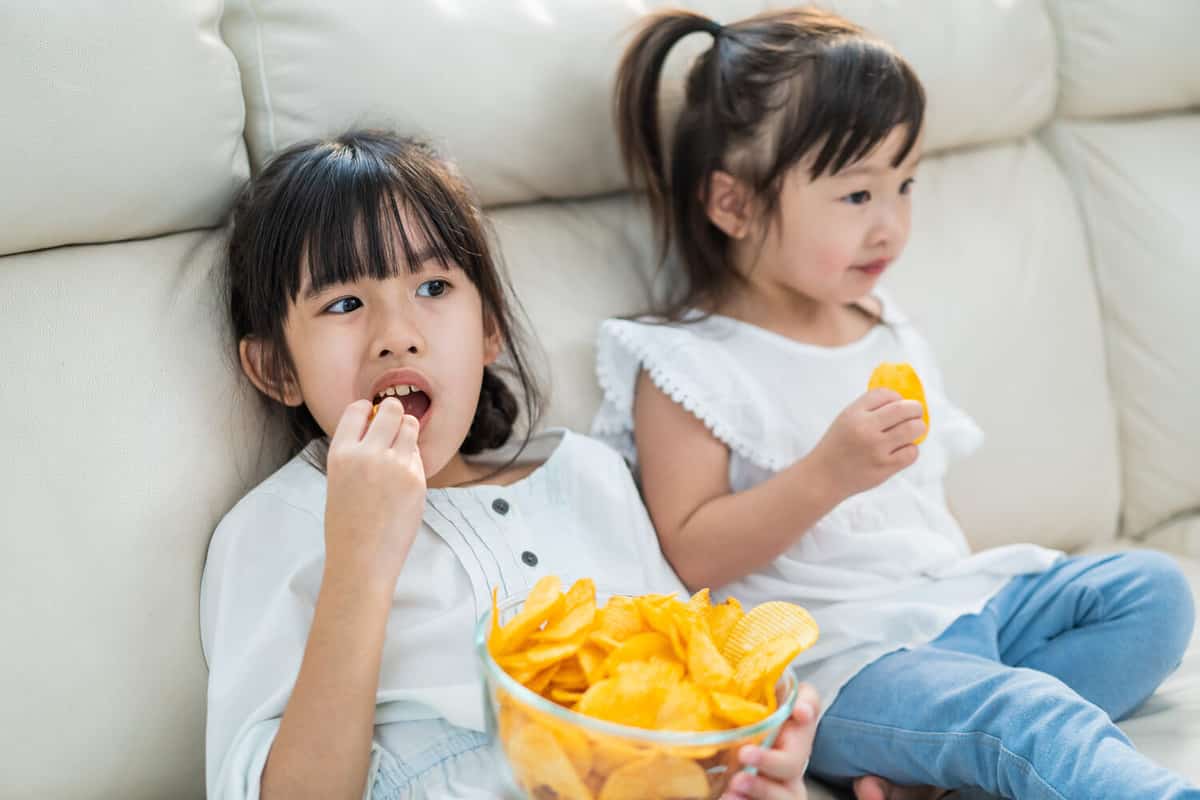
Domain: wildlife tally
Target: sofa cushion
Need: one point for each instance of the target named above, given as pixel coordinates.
(519, 92)
(1117, 57)
(1138, 184)
(123, 119)
(126, 441)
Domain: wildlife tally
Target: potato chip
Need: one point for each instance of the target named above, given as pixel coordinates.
(757, 673)
(657, 777)
(538, 657)
(609, 753)
(541, 680)
(685, 708)
(575, 744)
(701, 600)
(494, 627)
(661, 614)
(625, 702)
(707, 667)
(591, 661)
(540, 765)
(766, 622)
(657, 671)
(620, 618)
(638, 647)
(570, 675)
(604, 641)
(722, 618)
(566, 697)
(575, 623)
(736, 710)
(578, 611)
(545, 600)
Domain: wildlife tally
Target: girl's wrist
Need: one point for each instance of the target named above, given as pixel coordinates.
(358, 579)
(817, 480)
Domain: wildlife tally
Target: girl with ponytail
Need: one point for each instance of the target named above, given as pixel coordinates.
(770, 471)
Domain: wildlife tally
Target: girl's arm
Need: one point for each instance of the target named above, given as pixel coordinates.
(376, 495)
(713, 536)
(323, 747)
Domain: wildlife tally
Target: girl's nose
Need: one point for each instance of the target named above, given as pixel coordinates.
(888, 228)
(399, 336)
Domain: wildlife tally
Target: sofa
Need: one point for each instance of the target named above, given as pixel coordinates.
(1054, 265)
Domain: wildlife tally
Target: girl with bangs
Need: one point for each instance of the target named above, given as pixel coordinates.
(784, 196)
(340, 596)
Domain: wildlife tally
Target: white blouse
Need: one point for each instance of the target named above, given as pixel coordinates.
(886, 569)
(578, 515)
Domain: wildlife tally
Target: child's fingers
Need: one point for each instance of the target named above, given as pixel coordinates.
(906, 433)
(788, 759)
(905, 455)
(386, 424)
(877, 399)
(352, 425)
(406, 437)
(898, 413)
(756, 787)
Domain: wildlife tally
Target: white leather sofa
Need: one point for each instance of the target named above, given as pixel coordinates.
(1055, 264)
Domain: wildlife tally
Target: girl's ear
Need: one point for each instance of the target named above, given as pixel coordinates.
(728, 205)
(254, 354)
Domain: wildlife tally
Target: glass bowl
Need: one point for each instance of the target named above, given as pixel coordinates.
(549, 751)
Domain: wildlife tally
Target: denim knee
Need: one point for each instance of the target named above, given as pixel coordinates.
(1171, 597)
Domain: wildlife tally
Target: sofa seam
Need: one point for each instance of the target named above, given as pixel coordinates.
(264, 86)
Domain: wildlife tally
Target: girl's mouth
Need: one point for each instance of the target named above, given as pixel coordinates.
(415, 401)
(874, 267)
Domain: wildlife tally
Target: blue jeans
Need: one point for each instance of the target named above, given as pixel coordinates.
(1019, 700)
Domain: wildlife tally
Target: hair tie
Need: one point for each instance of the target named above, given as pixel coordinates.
(713, 27)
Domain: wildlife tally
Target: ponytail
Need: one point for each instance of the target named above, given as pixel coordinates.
(772, 89)
(636, 103)
(494, 416)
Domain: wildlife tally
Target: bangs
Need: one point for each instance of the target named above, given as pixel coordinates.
(856, 93)
(356, 212)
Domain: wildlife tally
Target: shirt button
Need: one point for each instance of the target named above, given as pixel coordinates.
(500, 506)
(529, 558)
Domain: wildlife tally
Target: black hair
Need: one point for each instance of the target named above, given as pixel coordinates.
(334, 207)
(769, 91)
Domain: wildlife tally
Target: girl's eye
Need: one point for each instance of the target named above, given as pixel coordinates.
(857, 198)
(434, 288)
(344, 306)
(906, 187)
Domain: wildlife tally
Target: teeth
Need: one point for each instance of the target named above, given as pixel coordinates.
(397, 391)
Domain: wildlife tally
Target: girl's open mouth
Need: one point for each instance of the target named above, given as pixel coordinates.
(415, 401)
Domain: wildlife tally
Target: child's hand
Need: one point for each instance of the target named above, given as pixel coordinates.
(780, 769)
(871, 440)
(376, 491)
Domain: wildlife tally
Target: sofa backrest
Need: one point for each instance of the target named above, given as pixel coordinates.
(131, 433)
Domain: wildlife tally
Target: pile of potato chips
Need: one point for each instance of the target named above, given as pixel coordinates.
(653, 662)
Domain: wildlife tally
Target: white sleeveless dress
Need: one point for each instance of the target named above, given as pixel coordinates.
(886, 569)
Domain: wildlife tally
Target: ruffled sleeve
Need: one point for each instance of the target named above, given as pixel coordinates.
(694, 364)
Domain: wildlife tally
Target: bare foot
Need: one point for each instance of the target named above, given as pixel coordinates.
(872, 787)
